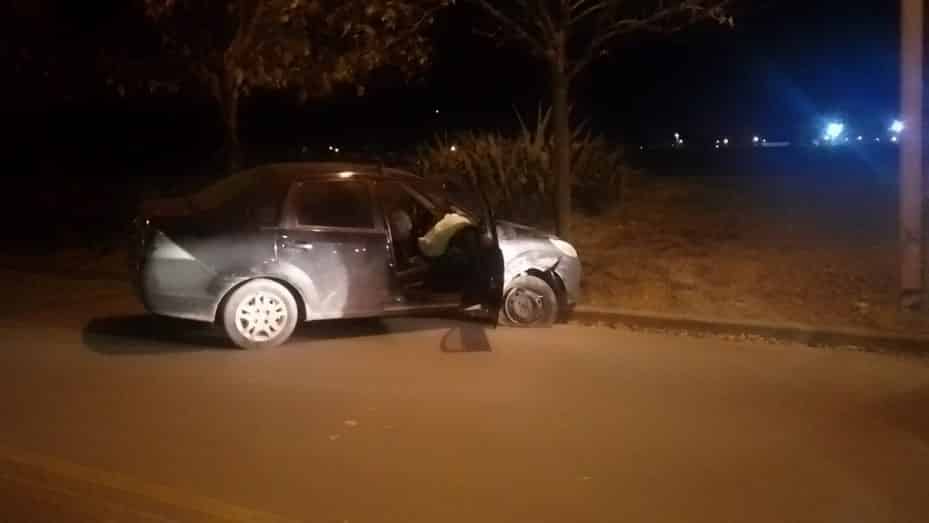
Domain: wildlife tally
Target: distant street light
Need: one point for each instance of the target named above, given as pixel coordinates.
(834, 130)
(453, 148)
(897, 127)
(755, 139)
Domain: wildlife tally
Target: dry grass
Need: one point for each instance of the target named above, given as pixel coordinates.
(772, 249)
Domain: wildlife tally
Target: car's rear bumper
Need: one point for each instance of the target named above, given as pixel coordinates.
(176, 289)
(185, 307)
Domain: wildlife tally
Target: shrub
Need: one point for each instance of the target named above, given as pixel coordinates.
(515, 170)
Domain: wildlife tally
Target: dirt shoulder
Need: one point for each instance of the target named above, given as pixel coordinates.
(739, 248)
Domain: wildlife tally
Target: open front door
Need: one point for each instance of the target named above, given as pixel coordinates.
(487, 288)
(491, 272)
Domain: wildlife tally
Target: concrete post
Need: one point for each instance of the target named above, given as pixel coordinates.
(911, 162)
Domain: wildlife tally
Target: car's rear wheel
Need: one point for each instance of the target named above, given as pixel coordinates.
(529, 301)
(260, 314)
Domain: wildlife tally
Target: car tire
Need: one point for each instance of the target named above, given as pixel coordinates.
(259, 315)
(529, 301)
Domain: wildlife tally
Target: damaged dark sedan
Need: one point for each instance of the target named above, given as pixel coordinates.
(267, 248)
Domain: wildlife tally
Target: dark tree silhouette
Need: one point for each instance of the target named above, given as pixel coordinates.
(230, 48)
(568, 35)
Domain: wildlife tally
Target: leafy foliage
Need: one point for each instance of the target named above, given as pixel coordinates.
(231, 48)
(308, 45)
(515, 170)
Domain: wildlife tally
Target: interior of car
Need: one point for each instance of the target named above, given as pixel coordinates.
(423, 279)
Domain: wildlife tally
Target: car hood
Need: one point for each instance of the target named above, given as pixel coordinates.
(507, 230)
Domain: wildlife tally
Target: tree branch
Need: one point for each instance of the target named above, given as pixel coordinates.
(427, 17)
(543, 21)
(536, 46)
(248, 11)
(585, 11)
(610, 30)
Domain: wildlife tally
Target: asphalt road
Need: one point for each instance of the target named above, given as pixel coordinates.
(108, 415)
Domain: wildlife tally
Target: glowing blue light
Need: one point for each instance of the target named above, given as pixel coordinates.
(834, 130)
(897, 127)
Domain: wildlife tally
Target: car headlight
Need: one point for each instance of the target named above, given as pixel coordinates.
(566, 248)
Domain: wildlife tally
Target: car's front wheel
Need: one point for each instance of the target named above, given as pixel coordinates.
(529, 301)
(260, 314)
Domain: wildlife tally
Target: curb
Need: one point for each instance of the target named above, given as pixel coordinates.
(809, 335)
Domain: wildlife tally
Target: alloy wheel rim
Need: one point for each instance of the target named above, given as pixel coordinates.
(261, 316)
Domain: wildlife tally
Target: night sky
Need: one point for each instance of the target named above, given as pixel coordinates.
(785, 67)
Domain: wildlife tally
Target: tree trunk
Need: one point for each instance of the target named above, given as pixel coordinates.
(232, 147)
(225, 90)
(562, 133)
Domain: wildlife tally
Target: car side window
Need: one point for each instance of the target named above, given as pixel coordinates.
(394, 197)
(265, 205)
(335, 204)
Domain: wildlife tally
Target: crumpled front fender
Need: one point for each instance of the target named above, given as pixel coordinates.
(543, 262)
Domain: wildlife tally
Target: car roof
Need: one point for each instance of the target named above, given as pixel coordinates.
(294, 171)
(284, 174)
